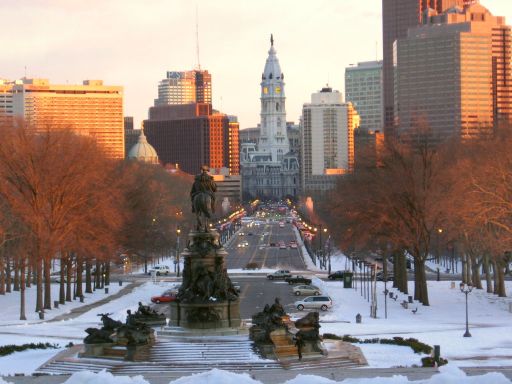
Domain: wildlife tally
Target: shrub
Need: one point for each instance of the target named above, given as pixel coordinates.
(429, 361)
(252, 266)
(417, 346)
(11, 348)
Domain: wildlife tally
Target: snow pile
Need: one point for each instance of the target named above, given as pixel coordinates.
(103, 377)
(217, 376)
(447, 375)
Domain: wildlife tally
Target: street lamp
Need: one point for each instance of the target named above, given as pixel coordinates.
(466, 288)
(178, 231)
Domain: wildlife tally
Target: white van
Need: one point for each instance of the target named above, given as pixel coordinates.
(160, 270)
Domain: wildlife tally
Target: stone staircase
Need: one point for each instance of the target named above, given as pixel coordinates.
(182, 356)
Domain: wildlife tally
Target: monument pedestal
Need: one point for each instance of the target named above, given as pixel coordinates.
(207, 299)
(206, 315)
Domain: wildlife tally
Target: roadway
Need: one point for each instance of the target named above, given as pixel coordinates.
(259, 251)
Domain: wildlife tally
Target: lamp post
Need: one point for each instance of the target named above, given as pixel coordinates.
(438, 256)
(466, 289)
(329, 253)
(178, 231)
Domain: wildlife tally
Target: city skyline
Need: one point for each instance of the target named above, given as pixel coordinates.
(133, 45)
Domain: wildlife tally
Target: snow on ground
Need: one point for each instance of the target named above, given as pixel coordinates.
(447, 375)
(10, 304)
(442, 323)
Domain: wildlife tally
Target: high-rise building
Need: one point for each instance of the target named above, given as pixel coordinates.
(397, 17)
(91, 108)
(363, 88)
(6, 108)
(269, 169)
(453, 74)
(327, 140)
(185, 87)
(193, 135)
(131, 136)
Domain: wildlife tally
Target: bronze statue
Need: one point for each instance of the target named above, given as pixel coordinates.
(202, 196)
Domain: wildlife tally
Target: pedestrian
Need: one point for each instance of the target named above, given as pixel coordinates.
(299, 343)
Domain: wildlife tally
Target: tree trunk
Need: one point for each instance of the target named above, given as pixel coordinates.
(97, 275)
(16, 282)
(79, 267)
(88, 285)
(29, 274)
(22, 290)
(62, 275)
(487, 271)
(464, 276)
(69, 276)
(39, 284)
(8, 277)
(47, 283)
(500, 264)
(402, 272)
(495, 276)
(107, 273)
(420, 281)
(475, 272)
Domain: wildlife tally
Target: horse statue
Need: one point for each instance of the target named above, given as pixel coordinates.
(202, 203)
(203, 198)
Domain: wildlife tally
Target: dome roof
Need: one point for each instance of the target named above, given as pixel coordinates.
(143, 151)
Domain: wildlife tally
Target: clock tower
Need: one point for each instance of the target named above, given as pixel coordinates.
(273, 136)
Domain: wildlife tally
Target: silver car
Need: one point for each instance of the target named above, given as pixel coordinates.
(306, 290)
(314, 302)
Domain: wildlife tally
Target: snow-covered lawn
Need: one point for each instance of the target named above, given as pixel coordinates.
(442, 323)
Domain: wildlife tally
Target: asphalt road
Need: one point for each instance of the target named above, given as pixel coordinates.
(258, 249)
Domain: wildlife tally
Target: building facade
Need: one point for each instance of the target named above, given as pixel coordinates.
(363, 88)
(397, 17)
(185, 87)
(328, 126)
(269, 169)
(193, 135)
(453, 75)
(131, 135)
(90, 109)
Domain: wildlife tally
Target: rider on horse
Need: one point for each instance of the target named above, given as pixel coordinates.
(203, 183)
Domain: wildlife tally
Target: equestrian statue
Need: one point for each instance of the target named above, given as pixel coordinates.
(202, 196)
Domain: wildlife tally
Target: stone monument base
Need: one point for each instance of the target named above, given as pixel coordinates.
(206, 316)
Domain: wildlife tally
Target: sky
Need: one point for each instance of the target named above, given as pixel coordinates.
(133, 43)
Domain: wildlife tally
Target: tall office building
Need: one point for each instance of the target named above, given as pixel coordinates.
(363, 88)
(6, 107)
(328, 125)
(397, 17)
(192, 135)
(185, 87)
(91, 108)
(453, 74)
(269, 169)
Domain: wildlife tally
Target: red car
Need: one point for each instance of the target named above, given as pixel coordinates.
(165, 297)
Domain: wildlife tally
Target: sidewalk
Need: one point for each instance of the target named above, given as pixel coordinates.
(87, 307)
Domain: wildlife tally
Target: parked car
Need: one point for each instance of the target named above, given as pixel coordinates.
(337, 275)
(314, 302)
(380, 276)
(281, 274)
(160, 270)
(306, 290)
(166, 297)
(297, 279)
